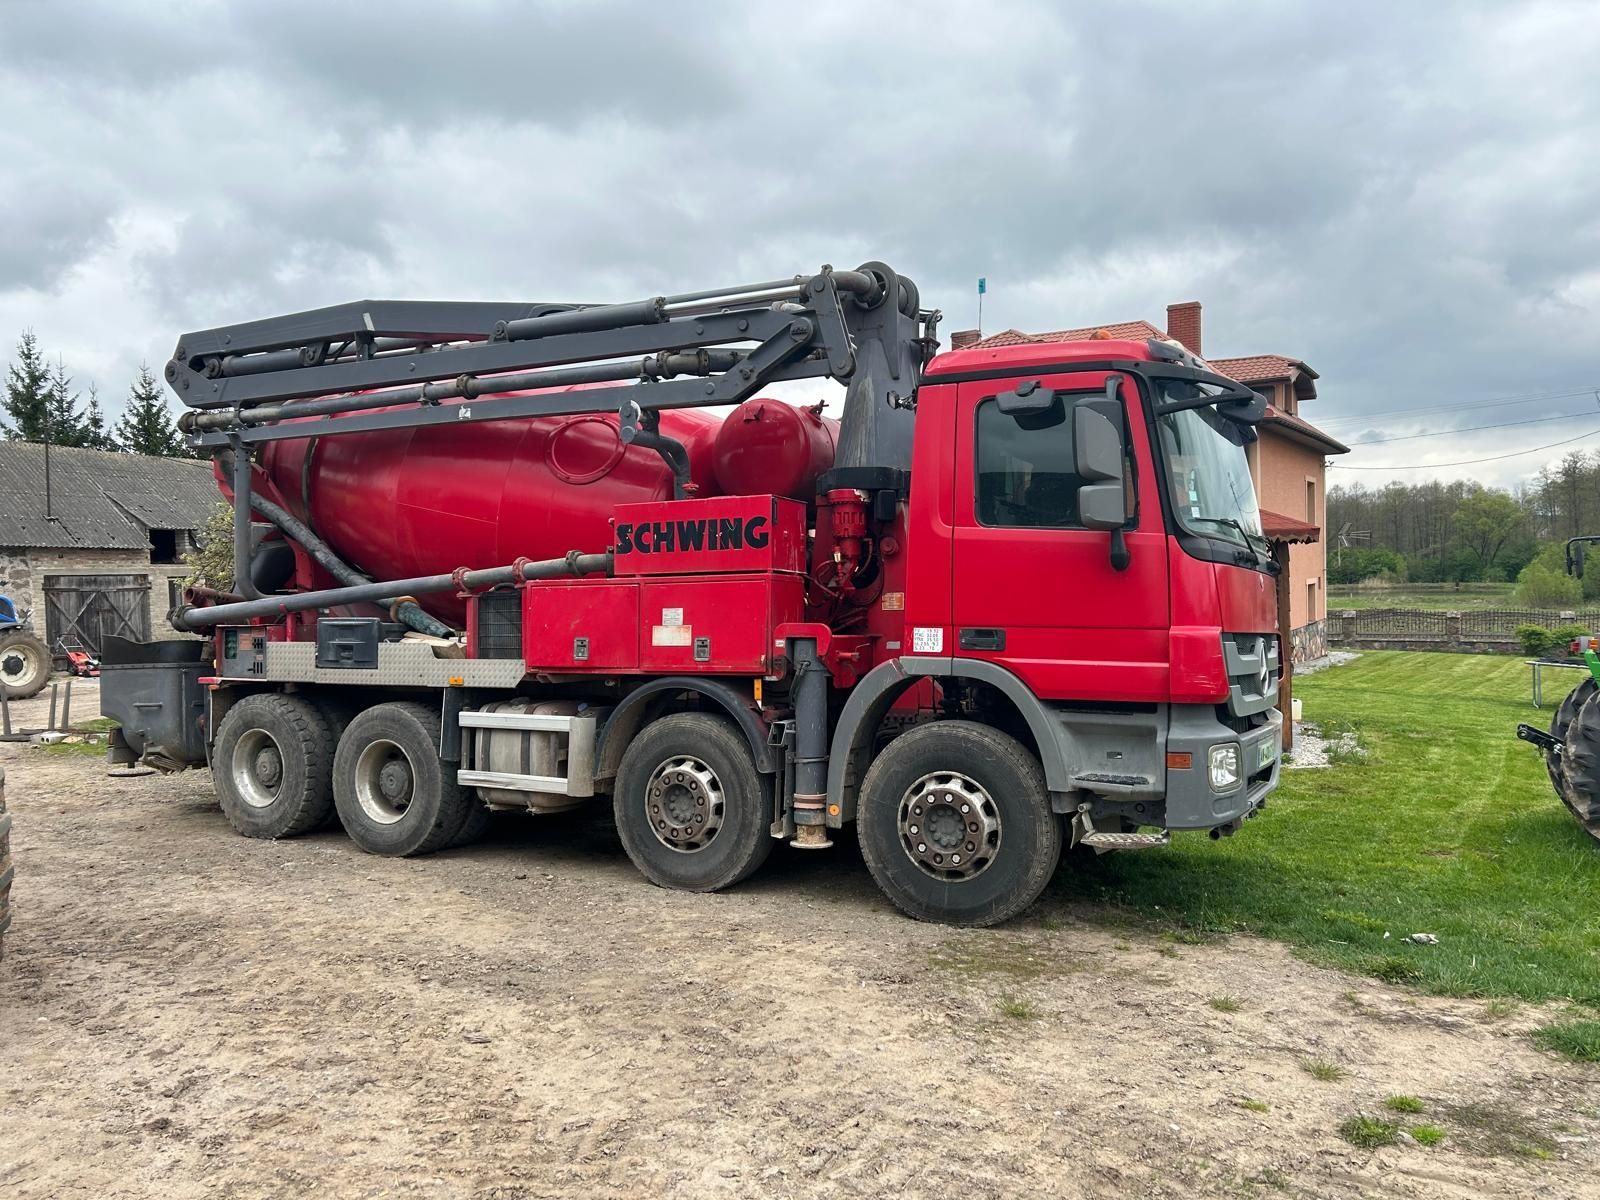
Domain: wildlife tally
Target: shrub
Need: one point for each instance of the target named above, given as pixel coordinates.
(1535, 640)
(1538, 586)
(1562, 636)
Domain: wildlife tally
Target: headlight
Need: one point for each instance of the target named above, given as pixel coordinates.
(1224, 764)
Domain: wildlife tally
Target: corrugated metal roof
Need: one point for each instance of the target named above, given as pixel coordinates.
(93, 494)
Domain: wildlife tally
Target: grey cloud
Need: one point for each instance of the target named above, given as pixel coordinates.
(1404, 196)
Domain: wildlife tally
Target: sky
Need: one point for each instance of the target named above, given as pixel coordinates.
(1404, 196)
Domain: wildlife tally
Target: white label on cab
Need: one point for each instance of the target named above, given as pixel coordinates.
(926, 640)
(672, 616)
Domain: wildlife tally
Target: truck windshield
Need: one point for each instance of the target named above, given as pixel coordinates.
(1208, 473)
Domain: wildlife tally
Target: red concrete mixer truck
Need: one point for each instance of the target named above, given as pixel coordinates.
(504, 556)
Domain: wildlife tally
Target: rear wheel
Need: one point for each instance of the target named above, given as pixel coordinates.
(1561, 722)
(689, 804)
(273, 766)
(1580, 764)
(24, 665)
(395, 796)
(955, 824)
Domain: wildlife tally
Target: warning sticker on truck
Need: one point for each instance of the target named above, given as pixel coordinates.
(672, 635)
(926, 640)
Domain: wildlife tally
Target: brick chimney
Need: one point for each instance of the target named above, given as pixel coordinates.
(1183, 325)
(960, 339)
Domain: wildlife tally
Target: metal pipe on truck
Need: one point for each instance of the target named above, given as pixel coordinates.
(196, 619)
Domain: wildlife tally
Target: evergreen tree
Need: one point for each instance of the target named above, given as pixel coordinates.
(27, 398)
(96, 435)
(67, 424)
(147, 426)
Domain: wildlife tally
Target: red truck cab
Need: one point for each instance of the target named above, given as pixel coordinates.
(1136, 644)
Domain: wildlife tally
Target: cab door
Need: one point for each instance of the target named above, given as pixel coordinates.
(1033, 589)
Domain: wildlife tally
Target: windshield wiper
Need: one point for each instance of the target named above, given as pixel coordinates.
(1249, 538)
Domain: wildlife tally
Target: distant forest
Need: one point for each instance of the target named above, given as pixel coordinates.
(1464, 532)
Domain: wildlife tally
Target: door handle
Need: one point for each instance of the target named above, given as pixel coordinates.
(981, 639)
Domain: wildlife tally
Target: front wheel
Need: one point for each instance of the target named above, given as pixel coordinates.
(24, 665)
(689, 804)
(955, 824)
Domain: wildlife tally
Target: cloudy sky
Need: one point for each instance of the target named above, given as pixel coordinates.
(1406, 196)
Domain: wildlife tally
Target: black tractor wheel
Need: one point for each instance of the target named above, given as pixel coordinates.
(1580, 765)
(689, 804)
(7, 869)
(273, 766)
(395, 796)
(955, 824)
(24, 665)
(1560, 723)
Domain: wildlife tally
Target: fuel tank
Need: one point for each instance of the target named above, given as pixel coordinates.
(406, 502)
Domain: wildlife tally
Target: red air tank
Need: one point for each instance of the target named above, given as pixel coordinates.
(769, 446)
(424, 501)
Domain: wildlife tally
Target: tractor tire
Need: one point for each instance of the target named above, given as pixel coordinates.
(955, 824)
(1580, 765)
(1560, 723)
(273, 766)
(395, 796)
(690, 808)
(24, 665)
(7, 869)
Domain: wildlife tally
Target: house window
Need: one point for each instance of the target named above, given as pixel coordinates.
(164, 546)
(1311, 600)
(1311, 502)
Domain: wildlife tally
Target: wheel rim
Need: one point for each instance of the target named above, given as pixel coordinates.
(949, 826)
(684, 804)
(385, 781)
(18, 668)
(257, 768)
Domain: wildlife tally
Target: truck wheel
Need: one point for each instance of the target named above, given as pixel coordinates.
(1580, 765)
(394, 795)
(272, 765)
(955, 824)
(1561, 722)
(24, 665)
(689, 804)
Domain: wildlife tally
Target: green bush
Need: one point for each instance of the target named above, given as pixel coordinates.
(1538, 586)
(1536, 640)
(1562, 636)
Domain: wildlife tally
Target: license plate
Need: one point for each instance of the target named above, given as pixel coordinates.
(1266, 752)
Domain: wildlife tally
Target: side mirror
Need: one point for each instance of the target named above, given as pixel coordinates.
(1244, 412)
(1575, 560)
(1097, 453)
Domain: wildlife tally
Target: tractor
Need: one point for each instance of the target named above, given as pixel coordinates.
(24, 659)
(1572, 747)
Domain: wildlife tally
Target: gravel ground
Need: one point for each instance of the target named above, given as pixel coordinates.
(187, 1013)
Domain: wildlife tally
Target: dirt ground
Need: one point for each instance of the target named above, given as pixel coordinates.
(186, 1013)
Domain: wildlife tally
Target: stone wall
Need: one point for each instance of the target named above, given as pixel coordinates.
(1309, 642)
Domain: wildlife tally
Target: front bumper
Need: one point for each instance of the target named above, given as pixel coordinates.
(1191, 801)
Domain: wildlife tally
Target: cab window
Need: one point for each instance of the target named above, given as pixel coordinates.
(1025, 475)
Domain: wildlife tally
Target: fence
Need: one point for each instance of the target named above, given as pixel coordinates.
(1472, 631)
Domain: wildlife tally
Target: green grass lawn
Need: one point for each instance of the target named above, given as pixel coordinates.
(1441, 597)
(1449, 826)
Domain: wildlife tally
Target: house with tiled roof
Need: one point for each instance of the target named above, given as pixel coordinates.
(92, 541)
(1287, 461)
